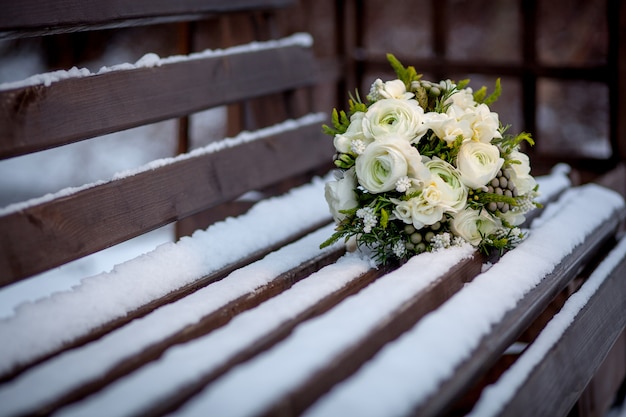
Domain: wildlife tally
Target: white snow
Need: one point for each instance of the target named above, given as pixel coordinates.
(150, 60)
(496, 396)
(265, 378)
(242, 138)
(40, 327)
(77, 366)
(407, 371)
(188, 362)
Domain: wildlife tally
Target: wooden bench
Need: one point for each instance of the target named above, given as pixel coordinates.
(249, 316)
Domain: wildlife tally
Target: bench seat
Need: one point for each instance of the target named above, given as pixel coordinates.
(182, 347)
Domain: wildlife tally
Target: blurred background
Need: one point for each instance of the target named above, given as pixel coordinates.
(558, 59)
(562, 65)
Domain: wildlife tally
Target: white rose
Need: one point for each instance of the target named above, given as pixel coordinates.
(340, 194)
(447, 127)
(478, 163)
(447, 180)
(344, 143)
(418, 211)
(389, 89)
(385, 161)
(390, 116)
(472, 224)
(520, 173)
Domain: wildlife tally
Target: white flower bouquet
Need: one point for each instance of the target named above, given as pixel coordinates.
(423, 166)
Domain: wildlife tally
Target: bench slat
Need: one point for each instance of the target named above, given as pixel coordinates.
(34, 17)
(418, 373)
(185, 320)
(513, 324)
(540, 374)
(147, 282)
(46, 235)
(38, 117)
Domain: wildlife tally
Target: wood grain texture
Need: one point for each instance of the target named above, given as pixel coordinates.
(38, 117)
(569, 366)
(37, 17)
(513, 323)
(211, 322)
(50, 234)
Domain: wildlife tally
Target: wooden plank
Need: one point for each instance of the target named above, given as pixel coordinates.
(38, 17)
(217, 319)
(39, 117)
(50, 234)
(513, 324)
(567, 368)
(351, 359)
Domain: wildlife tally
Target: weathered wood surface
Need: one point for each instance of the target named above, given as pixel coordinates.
(46, 235)
(36, 17)
(584, 345)
(38, 117)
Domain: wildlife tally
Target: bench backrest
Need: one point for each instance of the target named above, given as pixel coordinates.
(64, 107)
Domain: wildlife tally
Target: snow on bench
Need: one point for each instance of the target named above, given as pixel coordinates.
(34, 389)
(406, 373)
(41, 327)
(503, 396)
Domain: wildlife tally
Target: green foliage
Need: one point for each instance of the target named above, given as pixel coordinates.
(406, 74)
(481, 96)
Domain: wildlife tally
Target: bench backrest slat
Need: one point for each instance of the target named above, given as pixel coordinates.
(34, 17)
(49, 234)
(37, 117)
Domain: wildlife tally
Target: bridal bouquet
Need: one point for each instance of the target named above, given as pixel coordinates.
(424, 166)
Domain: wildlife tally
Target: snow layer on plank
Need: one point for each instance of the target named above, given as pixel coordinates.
(76, 367)
(407, 371)
(243, 137)
(554, 183)
(186, 363)
(150, 60)
(496, 396)
(264, 379)
(43, 326)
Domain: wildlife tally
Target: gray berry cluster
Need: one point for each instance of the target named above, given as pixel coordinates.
(501, 185)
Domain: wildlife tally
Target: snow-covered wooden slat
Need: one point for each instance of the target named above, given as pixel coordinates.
(183, 370)
(109, 300)
(582, 333)
(57, 108)
(31, 17)
(427, 368)
(73, 374)
(59, 228)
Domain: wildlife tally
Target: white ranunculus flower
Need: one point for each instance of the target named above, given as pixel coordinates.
(485, 124)
(344, 142)
(520, 173)
(447, 180)
(387, 160)
(513, 217)
(478, 163)
(470, 224)
(447, 127)
(418, 211)
(340, 194)
(390, 116)
(390, 89)
(461, 100)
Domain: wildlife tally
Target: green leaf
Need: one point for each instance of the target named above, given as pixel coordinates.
(406, 74)
(495, 95)
(384, 218)
(479, 95)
